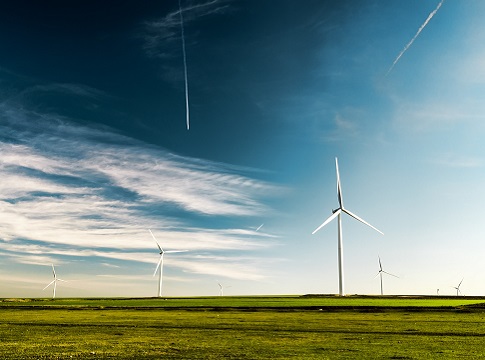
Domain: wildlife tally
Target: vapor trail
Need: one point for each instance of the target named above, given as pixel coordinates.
(430, 16)
(187, 112)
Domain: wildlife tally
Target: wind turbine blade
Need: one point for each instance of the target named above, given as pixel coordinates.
(461, 282)
(158, 265)
(377, 274)
(385, 272)
(61, 280)
(380, 265)
(174, 251)
(259, 227)
(49, 285)
(53, 271)
(154, 238)
(333, 216)
(339, 187)
(361, 220)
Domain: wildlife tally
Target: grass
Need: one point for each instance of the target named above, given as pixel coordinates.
(249, 302)
(257, 328)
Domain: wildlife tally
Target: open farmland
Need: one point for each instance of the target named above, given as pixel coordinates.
(243, 327)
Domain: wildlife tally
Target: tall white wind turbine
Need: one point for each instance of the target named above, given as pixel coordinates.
(383, 272)
(56, 279)
(160, 263)
(337, 213)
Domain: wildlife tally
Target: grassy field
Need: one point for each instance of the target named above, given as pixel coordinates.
(297, 302)
(243, 328)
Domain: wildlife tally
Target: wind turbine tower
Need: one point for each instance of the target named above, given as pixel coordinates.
(337, 213)
(160, 263)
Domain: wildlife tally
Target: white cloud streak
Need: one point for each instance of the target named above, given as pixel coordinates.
(166, 29)
(431, 116)
(240, 268)
(74, 191)
(408, 45)
(454, 161)
(187, 109)
(344, 128)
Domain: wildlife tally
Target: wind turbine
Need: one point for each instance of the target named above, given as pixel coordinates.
(383, 272)
(56, 279)
(221, 289)
(337, 213)
(458, 287)
(160, 263)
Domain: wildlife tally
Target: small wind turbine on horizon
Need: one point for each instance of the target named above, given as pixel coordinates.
(56, 279)
(458, 287)
(221, 288)
(160, 263)
(337, 213)
(381, 271)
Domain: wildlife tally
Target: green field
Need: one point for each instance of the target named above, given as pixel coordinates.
(243, 328)
(296, 302)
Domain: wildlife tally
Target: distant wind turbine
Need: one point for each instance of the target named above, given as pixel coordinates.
(383, 272)
(458, 287)
(56, 279)
(338, 212)
(160, 263)
(221, 289)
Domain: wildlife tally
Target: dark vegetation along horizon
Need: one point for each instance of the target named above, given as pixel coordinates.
(251, 327)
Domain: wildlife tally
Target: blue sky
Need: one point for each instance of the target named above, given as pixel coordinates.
(95, 150)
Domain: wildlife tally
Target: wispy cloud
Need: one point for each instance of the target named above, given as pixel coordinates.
(20, 90)
(437, 115)
(71, 89)
(343, 128)
(456, 161)
(345, 125)
(75, 191)
(408, 45)
(240, 267)
(161, 32)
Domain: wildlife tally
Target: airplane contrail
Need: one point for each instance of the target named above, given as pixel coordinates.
(430, 16)
(187, 112)
(259, 227)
